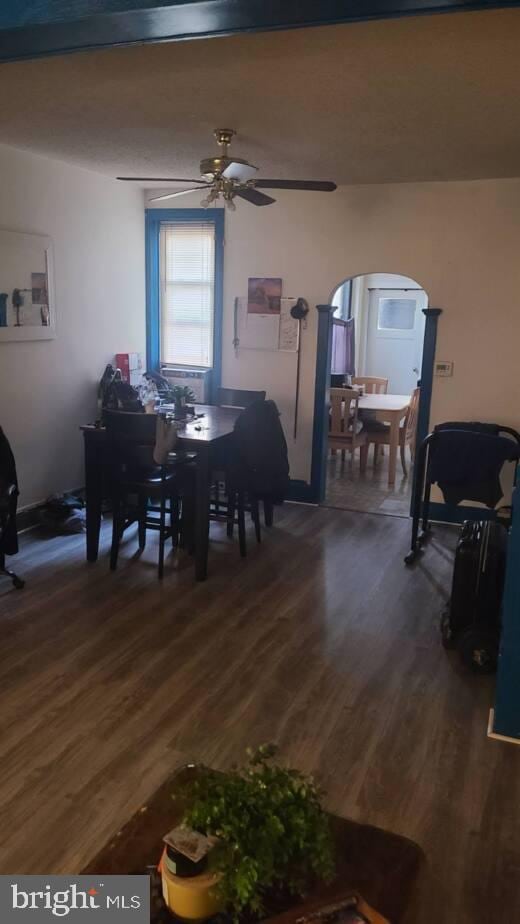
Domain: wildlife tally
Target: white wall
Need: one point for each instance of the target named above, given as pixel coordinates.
(460, 241)
(48, 388)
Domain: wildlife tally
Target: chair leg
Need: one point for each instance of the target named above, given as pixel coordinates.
(255, 515)
(231, 506)
(403, 458)
(241, 524)
(174, 520)
(162, 531)
(268, 513)
(363, 458)
(6, 572)
(343, 457)
(376, 454)
(143, 501)
(116, 532)
(186, 531)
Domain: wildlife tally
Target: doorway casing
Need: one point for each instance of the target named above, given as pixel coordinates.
(315, 492)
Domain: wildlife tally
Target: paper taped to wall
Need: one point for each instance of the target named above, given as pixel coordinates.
(261, 332)
(275, 332)
(289, 327)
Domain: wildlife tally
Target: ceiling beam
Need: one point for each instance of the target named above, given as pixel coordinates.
(40, 27)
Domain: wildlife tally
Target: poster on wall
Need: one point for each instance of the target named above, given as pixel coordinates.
(264, 296)
(26, 287)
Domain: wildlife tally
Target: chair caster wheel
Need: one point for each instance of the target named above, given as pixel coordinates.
(410, 558)
(18, 583)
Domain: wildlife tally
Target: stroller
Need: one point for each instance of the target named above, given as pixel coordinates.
(465, 460)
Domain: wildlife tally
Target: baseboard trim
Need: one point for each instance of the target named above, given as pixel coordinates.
(301, 492)
(495, 735)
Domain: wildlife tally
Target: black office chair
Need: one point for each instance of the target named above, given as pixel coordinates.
(140, 488)
(8, 503)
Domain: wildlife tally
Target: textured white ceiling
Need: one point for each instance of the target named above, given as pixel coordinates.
(427, 98)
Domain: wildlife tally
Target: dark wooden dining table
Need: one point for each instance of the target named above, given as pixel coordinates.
(201, 435)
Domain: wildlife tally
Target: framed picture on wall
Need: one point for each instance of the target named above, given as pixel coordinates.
(264, 296)
(27, 304)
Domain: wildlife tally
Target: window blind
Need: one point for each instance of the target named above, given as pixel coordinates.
(187, 276)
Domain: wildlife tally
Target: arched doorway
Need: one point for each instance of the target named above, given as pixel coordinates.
(394, 332)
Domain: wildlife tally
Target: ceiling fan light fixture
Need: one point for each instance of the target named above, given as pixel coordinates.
(228, 177)
(212, 195)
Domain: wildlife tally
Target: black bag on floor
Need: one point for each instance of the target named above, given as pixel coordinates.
(471, 621)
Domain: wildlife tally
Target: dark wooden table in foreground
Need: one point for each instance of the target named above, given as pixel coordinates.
(201, 435)
(379, 865)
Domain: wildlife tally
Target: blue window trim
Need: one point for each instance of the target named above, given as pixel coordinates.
(153, 219)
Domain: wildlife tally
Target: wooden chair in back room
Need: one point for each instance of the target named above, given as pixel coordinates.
(343, 435)
(407, 432)
(373, 384)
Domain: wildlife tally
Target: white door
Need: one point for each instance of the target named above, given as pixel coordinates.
(395, 334)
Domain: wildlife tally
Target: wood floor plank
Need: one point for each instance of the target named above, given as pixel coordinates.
(321, 640)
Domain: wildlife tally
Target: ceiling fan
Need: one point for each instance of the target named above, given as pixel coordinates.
(229, 177)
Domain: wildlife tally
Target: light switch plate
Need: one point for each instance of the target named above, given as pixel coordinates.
(444, 367)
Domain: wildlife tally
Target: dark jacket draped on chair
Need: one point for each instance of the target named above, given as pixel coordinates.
(8, 498)
(260, 463)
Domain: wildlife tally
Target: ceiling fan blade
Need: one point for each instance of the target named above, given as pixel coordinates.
(157, 179)
(180, 192)
(240, 172)
(253, 196)
(317, 185)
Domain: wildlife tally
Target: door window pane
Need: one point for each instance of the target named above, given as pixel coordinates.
(396, 314)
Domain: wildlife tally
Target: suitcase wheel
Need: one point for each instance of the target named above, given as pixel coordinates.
(478, 649)
(447, 637)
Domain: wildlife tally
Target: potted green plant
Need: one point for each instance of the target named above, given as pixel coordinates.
(273, 835)
(180, 396)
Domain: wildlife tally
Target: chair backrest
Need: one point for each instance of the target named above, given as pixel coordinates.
(238, 397)
(373, 384)
(259, 461)
(411, 415)
(344, 406)
(131, 436)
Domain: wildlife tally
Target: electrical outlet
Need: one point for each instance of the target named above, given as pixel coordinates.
(443, 367)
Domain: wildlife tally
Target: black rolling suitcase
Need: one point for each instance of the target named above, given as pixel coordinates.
(471, 621)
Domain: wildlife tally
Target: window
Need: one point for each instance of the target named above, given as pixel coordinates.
(187, 292)
(342, 300)
(396, 314)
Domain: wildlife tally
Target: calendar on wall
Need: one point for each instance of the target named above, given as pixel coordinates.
(275, 331)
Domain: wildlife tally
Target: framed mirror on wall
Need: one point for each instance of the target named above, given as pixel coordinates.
(27, 301)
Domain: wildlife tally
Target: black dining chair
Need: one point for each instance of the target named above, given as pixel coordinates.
(158, 497)
(258, 466)
(238, 397)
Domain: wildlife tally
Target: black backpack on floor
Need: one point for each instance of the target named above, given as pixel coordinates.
(471, 621)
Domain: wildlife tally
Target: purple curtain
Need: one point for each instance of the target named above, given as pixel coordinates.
(343, 347)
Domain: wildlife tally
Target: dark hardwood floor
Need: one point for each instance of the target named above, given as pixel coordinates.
(321, 641)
